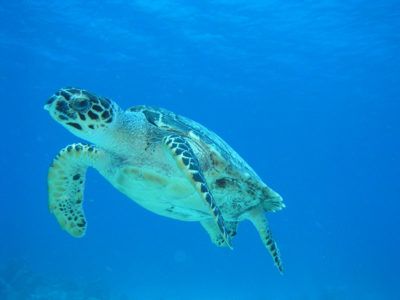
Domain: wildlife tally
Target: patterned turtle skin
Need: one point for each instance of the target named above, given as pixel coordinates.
(166, 163)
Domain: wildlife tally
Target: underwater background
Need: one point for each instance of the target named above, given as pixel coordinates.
(306, 91)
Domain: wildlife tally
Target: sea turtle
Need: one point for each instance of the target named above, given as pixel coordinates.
(166, 163)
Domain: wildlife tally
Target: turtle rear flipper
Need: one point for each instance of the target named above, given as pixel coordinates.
(215, 234)
(66, 182)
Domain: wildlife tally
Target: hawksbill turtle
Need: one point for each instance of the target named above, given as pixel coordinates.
(166, 163)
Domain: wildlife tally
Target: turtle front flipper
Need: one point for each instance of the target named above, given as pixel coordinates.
(66, 182)
(257, 217)
(189, 164)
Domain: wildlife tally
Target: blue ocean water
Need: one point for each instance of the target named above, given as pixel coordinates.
(307, 92)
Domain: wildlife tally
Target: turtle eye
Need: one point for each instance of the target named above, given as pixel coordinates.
(80, 105)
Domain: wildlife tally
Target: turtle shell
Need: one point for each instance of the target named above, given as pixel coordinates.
(220, 152)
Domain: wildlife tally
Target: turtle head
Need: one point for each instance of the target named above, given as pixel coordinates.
(81, 112)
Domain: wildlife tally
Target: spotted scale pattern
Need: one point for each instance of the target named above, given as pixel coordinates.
(81, 109)
(259, 220)
(273, 250)
(66, 183)
(188, 162)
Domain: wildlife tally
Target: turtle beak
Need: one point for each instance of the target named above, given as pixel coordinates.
(49, 102)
